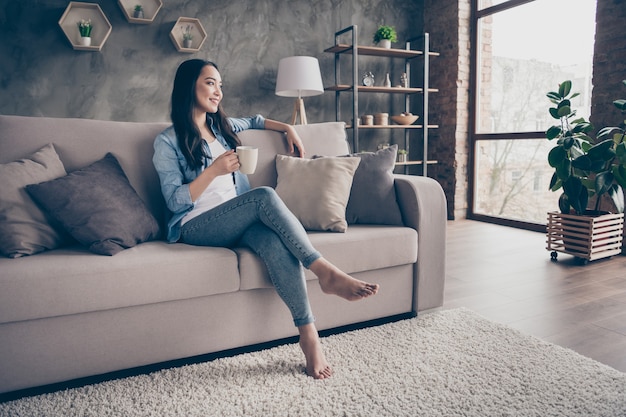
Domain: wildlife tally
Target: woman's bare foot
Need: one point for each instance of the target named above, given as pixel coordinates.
(316, 365)
(335, 281)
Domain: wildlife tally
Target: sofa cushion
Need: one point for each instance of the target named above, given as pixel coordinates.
(316, 190)
(98, 207)
(360, 248)
(24, 227)
(72, 280)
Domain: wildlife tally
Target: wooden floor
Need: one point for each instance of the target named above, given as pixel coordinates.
(506, 275)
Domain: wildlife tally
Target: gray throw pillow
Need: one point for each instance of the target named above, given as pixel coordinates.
(98, 207)
(24, 227)
(373, 194)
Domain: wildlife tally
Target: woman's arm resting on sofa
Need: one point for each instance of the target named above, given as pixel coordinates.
(294, 143)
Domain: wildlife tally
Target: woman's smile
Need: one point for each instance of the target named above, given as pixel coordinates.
(209, 90)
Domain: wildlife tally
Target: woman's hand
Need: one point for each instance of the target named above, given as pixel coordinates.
(294, 143)
(225, 163)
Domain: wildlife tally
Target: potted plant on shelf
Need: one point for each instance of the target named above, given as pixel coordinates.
(402, 155)
(138, 13)
(187, 36)
(84, 28)
(385, 35)
(585, 169)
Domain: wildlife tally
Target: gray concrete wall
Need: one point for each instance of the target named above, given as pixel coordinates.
(130, 78)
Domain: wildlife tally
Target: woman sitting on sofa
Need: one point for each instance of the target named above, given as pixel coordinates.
(212, 204)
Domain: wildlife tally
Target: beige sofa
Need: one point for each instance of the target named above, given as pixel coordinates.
(68, 313)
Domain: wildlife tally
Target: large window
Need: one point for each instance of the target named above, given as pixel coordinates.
(523, 49)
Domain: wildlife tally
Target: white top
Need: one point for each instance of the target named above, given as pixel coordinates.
(220, 190)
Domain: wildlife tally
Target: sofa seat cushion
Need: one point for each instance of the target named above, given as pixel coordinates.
(74, 280)
(360, 248)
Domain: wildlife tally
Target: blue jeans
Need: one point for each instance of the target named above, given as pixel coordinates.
(259, 220)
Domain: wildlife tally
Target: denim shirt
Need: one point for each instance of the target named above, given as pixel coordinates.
(175, 174)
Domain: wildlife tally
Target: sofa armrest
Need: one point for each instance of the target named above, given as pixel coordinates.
(423, 205)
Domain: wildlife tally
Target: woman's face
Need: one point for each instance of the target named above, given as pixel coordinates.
(208, 89)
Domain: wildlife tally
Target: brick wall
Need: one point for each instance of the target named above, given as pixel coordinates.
(609, 68)
(609, 62)
(448, 23)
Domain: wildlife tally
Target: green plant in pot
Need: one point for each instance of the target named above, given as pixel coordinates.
(402, 155)
(187, 36)
(385, 35)
(584, 167)
(138, 12)
(85, 27)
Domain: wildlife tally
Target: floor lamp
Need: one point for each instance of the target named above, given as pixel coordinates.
(299, 76)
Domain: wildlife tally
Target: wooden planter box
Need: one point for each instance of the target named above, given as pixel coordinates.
(587, 237)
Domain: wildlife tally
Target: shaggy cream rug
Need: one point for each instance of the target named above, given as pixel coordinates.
(446, 363)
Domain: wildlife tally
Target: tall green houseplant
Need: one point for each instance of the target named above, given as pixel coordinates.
(584, 167)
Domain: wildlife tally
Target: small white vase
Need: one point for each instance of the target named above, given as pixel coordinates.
(385, 43)
(85, 41)
(187, 43)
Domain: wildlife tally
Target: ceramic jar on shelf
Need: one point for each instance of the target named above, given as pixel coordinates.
(381, 119)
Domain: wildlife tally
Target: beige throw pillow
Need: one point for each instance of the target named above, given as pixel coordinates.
(24, 227)
(317, 190)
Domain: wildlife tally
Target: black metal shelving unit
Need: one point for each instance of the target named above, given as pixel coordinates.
(409, 54)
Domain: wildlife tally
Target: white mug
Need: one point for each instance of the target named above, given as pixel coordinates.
(248, 156)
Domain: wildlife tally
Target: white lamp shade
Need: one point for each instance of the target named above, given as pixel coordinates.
(299, 76)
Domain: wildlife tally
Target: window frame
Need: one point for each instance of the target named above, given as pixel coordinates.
(474, 137)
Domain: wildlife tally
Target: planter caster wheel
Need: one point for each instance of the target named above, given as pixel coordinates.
(553, 256)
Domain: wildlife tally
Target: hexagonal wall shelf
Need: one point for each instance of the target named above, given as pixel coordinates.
(77, 11)
(196, 29)
(150, 10)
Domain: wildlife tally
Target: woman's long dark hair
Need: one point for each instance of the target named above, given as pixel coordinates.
(183, 103)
